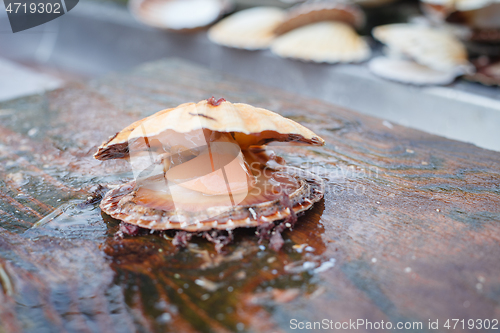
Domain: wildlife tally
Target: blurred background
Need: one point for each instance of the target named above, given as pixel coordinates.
(413, 74)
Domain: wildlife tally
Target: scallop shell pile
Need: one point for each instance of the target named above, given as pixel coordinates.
(202, 166)
(419, 55)
(320, 31)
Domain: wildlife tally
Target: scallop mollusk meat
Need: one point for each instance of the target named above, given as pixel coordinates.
(179, 15)
(328, 41)
(202, 166)
(250, 29)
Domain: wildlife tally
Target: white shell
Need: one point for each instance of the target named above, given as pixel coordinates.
(330, 42)
(436, 49)
(179, 15)
(250, 29)
(462, 5)
(407, 71)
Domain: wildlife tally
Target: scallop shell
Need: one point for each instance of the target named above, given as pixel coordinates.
(250, 125)
(484, 22)
(312, 12)
(179, 15)
(250, 29)
(487, 73)
(436, 49)
(330, 42)
(459, 5)
(119, 203)
(408, 71)
(201, 173)
(481, 17)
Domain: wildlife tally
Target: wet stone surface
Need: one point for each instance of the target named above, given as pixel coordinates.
(409, 229)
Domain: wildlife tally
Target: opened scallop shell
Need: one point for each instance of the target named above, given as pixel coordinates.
(221, 178)
(436, 49)
(329, 42)
(317, 11)
(408, 71)
(250, 29)
(179, 15)
(250, 126)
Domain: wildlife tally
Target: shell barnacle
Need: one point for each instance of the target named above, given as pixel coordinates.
(203, 168)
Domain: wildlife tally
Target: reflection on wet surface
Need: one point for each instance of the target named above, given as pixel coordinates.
(161, 284)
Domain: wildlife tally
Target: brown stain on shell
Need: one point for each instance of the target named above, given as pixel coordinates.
(308, 13)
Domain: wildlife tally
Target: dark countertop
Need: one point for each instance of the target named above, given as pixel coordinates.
(410, 221)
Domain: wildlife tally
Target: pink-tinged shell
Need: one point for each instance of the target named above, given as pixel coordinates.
(313, 12)
(487, 72)
(119, 204)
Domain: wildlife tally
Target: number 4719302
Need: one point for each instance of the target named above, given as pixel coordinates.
(40, 8)
(471, 324)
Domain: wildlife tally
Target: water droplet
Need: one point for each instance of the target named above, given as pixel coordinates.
(164, 318)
